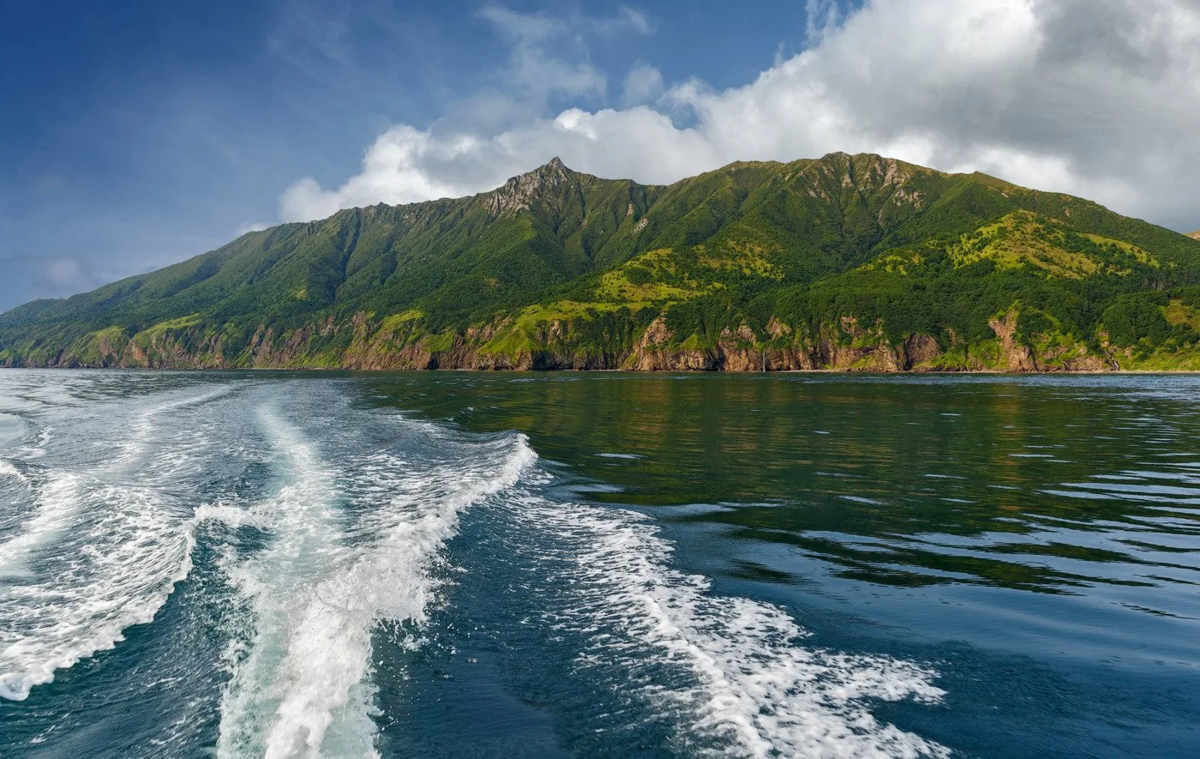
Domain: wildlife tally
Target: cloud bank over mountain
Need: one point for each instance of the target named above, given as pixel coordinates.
(1099, 98)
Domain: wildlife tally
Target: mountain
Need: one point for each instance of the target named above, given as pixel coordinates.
(848, 261)
(1195, 235)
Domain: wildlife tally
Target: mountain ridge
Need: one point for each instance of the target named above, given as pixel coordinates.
(855, 262)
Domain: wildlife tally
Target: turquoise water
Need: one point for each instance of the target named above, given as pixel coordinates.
(451, 564)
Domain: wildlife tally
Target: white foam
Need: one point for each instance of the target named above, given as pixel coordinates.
(119, 579)
(300, 516)
(37, 449)
(122, 583)
(142, 429)
(114, 552)
(750, 680)
(62, 494)
(302, 687)
(224, 513)
(7, 469)
(57, 502)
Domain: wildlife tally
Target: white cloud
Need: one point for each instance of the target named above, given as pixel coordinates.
(1099, 98)
(525, 28)
(538, 66)
(821, 16)
(628, 19)
(643, 84)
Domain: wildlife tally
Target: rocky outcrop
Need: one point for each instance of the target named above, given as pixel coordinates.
(519, 192)
(1017, 357)
(919, 349)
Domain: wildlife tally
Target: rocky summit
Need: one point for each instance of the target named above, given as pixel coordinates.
(850, 262)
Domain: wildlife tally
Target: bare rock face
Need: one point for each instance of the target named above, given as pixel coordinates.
(374, 344)
(919, 349)
(518, 192)
(1019, 357)
(1092, 363)
(650, 355)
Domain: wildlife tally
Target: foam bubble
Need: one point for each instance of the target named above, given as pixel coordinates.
(224, 513)
(37, 448)
(119, 576)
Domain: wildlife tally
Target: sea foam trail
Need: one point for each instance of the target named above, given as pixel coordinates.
(36, 448)
(7, 469)
(60, 496)
(56, 501)
(112, 552)
(302, 686)
(749, 684)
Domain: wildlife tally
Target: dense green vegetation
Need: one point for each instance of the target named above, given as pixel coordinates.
(845, 255)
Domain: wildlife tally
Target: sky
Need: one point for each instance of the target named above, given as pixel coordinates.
(137, 133)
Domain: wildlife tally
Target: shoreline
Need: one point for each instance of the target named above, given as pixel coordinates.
(644, 372)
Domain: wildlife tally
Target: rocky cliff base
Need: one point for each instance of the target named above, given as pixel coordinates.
(362, 343)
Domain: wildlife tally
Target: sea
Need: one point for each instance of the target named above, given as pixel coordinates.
(453, 564)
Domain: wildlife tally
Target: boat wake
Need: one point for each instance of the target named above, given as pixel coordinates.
(732, 674)
(300, 682)
(339, 535)
(102, 552)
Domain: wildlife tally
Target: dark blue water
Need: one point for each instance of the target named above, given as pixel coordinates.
(445, 564)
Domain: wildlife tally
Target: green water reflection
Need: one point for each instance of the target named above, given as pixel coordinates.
(1052, 485)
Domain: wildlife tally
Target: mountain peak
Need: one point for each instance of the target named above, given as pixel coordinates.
(519, 191)
(552, 169)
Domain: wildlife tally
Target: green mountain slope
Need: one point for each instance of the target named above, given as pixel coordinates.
(851, 262)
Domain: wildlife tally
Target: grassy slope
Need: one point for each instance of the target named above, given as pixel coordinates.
(902, 249)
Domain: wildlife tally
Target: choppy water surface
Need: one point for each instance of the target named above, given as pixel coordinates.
(443, 564)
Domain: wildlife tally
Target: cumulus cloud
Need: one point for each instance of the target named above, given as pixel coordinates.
(1099, 98)
(821, 15)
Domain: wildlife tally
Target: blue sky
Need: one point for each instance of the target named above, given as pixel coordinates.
(135, 134)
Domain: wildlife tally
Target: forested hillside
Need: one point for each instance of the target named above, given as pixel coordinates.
(849, 262)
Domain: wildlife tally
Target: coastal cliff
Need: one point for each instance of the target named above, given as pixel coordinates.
(363, 343)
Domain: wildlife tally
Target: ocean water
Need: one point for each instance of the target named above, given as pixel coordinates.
(598, 565)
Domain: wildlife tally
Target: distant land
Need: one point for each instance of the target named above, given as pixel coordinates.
(847, 262)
